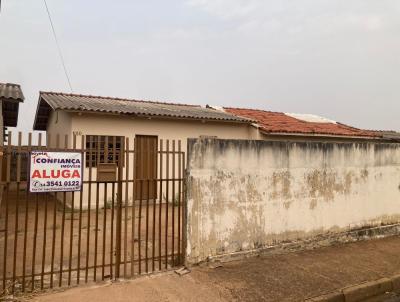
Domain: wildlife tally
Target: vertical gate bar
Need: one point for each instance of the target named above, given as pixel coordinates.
(105, 210)
(80, 214)
(134, 184)
(71, 232)
(179, 200)
(104, 230)
(88, 210)
(140, 154)
(126, 202)
(97, 209)
(63, 225)
(53, 247)
(140, 225)
(44, 240)
(96, 231)
(148, 155)
(119, 214)
(26, 218)
(17, 210)
(184, 205)
(34, 241)
(160, 206)
(35, 228)
(9, 138)
(8, 168)
(173, 202)
(147, 225)
(154, 188)
(5, 237)
(64, 194)
(112, 229)
(53, 243)
(112, 210)
(166, 205)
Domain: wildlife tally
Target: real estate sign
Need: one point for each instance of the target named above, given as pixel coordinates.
(55, 171)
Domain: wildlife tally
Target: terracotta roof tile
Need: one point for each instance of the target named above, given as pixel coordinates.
(278, 122)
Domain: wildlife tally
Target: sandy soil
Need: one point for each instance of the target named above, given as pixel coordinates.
(284, 277)
(67, 250)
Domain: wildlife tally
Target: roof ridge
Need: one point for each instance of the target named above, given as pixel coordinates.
(252, 109)
(114, 98)
(10, 84)
(288, 115)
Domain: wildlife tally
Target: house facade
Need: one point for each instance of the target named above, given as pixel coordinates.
(146, 127)
(102, 124)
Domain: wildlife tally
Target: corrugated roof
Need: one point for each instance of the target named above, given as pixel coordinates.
(76, 102)
(10, 97)
(278, 122)
(388, 134)
(11, 91)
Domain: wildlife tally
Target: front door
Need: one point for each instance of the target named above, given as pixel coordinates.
(146, 167)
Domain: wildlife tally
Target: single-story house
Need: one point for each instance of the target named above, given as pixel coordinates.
(68, 114)
(10, 97)
(100, 119)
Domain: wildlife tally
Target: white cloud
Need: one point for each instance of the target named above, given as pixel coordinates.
(292, 17)
(226, 9)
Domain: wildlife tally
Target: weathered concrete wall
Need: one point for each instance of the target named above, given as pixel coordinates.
(244, 195)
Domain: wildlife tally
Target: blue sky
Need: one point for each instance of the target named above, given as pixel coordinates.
(338, 59)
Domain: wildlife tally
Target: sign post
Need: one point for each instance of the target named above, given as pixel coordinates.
(55, 171)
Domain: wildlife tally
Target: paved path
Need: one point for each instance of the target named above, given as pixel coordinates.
(285, 277)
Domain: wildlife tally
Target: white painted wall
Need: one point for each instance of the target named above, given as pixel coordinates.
(251, 194)
(121, 125)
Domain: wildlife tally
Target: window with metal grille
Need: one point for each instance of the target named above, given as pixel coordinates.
(103, 149)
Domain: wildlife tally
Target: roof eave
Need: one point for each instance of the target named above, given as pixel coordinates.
(319, 135)
(156, 116)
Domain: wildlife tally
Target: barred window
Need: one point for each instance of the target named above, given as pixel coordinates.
(103, 149)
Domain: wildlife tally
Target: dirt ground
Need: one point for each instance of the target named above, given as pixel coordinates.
(56, 242)
(280, 277)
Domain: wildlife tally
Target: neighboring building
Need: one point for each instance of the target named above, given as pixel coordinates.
(393, 136)
(10, 97)
(305, 127)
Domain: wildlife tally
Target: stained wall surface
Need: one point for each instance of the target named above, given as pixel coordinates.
(245, 194)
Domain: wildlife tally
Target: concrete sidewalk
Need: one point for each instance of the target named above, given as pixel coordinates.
(280, 277)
